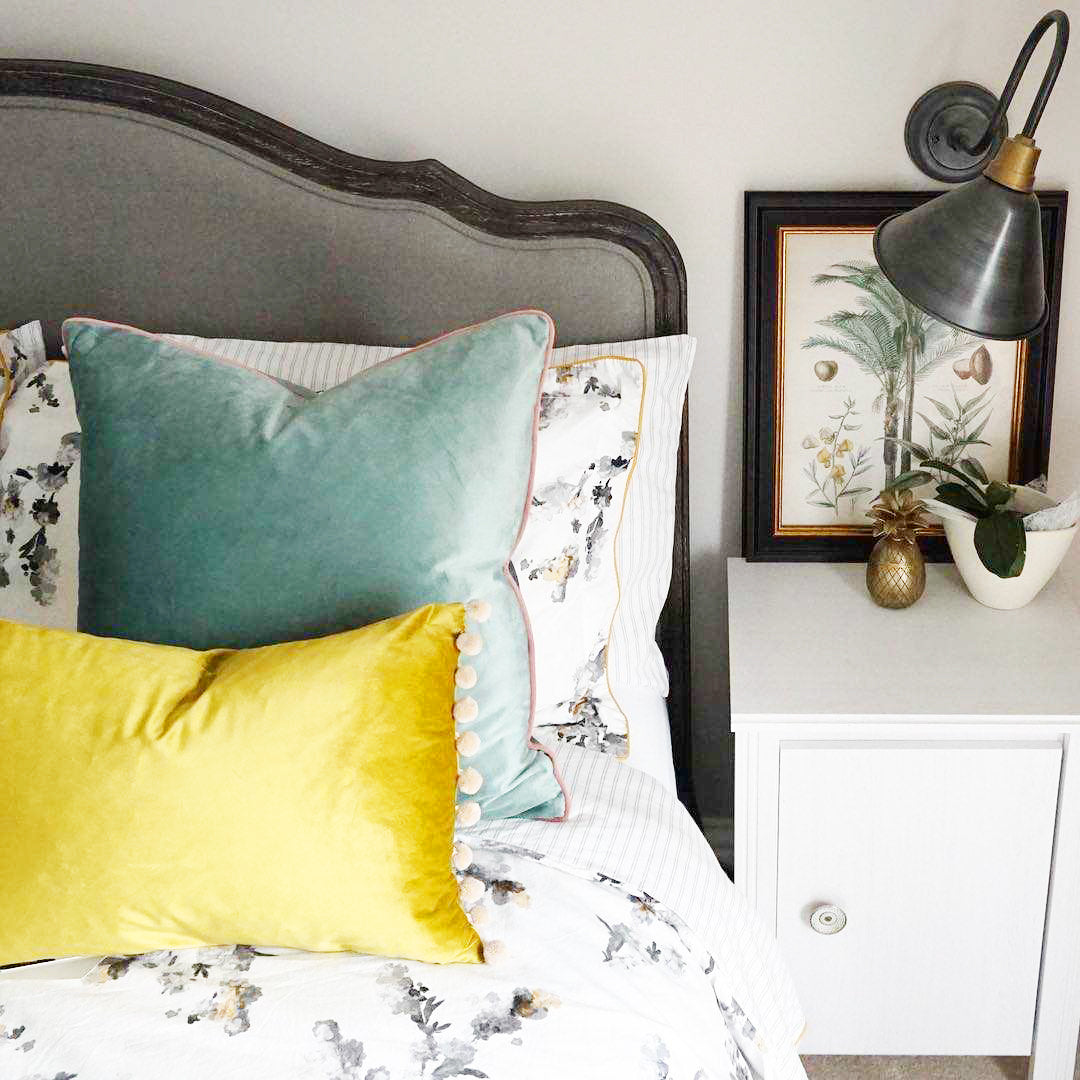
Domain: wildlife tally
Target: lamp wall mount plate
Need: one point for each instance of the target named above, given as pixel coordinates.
(947, 120)
(955, 131)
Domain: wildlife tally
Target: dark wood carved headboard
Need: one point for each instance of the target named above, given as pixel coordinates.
(139, 199)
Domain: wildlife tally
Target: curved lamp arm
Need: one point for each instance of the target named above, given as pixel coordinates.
(1061, 43)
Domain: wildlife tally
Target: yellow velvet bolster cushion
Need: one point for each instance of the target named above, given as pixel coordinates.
(300, 794)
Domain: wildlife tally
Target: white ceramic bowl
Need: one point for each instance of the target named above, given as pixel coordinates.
(1045, 551)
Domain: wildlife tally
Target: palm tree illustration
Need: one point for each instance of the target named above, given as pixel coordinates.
(892, 340)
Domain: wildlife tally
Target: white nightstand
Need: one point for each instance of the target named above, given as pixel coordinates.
(919, 770)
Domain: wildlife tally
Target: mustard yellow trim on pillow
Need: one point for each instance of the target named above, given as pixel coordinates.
(618, 528)
(300, 794)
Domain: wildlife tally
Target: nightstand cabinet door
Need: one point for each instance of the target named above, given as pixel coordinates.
(938, 855)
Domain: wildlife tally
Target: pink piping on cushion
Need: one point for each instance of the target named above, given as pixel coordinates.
(227, 361)
(549, 349)
(464, 330)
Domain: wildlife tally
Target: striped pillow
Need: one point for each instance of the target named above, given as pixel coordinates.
(603, 643)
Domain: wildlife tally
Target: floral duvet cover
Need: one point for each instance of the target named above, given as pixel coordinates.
(616, 948)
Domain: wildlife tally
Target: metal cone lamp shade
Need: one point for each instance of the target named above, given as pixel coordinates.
(972, 257)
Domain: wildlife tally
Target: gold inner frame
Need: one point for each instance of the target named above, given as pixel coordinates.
(779, 529)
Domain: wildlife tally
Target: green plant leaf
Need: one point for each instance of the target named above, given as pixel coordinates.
(944, 466)
(916, 448)
(979, 430)
(820, 502)
(961, 497)
(1001, 543)
(970, 404)
(943, 409)
(973, 467)
(997, 494)
(852, 492)
(934, 429)
(912, 478)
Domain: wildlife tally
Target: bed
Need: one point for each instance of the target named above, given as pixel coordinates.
(616, 945)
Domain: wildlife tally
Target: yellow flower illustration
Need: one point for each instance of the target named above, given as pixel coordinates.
(838, 472)
(844, 447)
(559, 570)
(826, 435)
(824, 456)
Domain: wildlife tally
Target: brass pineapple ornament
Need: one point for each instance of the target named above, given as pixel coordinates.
(896, 572)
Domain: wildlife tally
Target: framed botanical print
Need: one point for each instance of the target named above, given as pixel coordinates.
(848, 385)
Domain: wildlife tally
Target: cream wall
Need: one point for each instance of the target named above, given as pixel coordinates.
(675, 108)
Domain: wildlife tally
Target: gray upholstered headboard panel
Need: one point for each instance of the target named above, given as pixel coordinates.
(132, 218)
(140, 200)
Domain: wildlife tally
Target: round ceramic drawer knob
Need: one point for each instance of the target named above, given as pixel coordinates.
(828, 919)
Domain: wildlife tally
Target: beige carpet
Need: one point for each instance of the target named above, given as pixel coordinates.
(919, 1068)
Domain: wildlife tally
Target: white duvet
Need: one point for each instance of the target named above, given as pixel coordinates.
(617, 949)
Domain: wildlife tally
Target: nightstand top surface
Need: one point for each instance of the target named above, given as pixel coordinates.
(807, 640)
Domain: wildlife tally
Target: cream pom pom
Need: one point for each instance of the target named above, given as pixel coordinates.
(465, 676)
(466, 710)
(468, 743)
(462, 856)
(478, 610)
(469, 644)
(467, 814)
(469, 781)
(478, 914)
(472, 889)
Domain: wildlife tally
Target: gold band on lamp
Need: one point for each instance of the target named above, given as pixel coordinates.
(973, 257)
(1014, 164)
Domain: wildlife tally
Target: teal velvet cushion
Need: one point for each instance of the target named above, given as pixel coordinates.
(219, 508)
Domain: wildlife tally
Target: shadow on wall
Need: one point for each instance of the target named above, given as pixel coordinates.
(714, 746)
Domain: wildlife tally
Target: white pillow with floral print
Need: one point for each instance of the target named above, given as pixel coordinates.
(590, 420)
(39, 486)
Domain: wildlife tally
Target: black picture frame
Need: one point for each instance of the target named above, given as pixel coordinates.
(766, 212)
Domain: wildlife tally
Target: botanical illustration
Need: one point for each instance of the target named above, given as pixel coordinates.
(892, 340)
(841, 462)
(872, 386)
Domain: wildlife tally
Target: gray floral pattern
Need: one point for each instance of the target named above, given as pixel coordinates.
(39, 454)
(586, 711)
(565, 563)
(215, 972)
